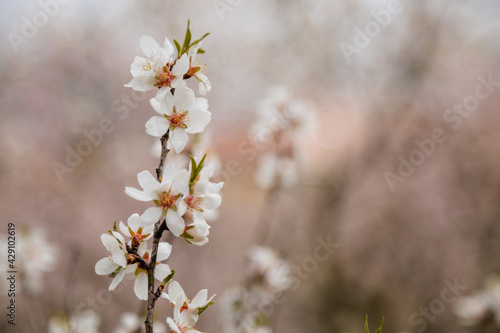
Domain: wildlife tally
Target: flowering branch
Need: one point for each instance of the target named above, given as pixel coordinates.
(181, 196)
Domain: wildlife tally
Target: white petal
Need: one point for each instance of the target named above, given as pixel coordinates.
(105, 266)
(164, 250)
(123, 228)
(198, 120)
(179, 139)
(183, 99)
(151, 216)
(119, 237)
(156, 105)
(175, 223)
(169, 173)
(211, 201)
(148, 45)
(110, 243)
(136, 194)
(157, 126)
(162, 271)
(200, 103)
(162, 93)
(181, 207)
(200, 299)
(141, 286)
(181, 184)
(181, 66)
(169, 48)
(200, 224)
(173, 325)
(175, 291)
(141, 83)
(116, 281)
(141, 67)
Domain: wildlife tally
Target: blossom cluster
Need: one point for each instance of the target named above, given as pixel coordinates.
(35, 256)
(481, 306)
(182, 197)
(282, 124)
(246, 305)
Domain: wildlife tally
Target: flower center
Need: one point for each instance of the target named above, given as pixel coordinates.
(194, 203)
(177, 119)
(165, 77)
(167, 200)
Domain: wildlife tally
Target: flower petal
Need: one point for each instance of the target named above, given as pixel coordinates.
(200, 224)
(164, 251)
(141, 83)
(198, 120)
(184, 99)
(200, 299)
(116, 281)
(179, 139)
(136, 194)
(181, 66)
(148, 45)
(141, 286)
(151, 216)
(162, 271)
(157, 126)
(175, 223)
(105, 266)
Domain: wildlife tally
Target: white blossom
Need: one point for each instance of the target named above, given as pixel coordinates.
(181, 113)
(167, 196)
(160, 69)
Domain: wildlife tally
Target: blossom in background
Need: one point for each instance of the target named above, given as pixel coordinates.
(283, 123)
(160, 69)
(87, 322)
(266, 276)
(166, 194)
(480, 306)
(181, 113)
(131, 323)
(277, 171)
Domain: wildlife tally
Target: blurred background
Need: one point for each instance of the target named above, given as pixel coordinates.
(403, 169)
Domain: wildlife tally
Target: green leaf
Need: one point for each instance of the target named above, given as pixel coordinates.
(366, 325)
(178, 47)
(380, 328)
(114, 227)
(187, 40)
(199, 39)
(168, 278)
(200, 310)
(200, 51)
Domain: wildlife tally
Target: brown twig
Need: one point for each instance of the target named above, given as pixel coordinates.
(160, 227)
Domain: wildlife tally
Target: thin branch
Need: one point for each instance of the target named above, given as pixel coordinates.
(163, 157)
(160, 227)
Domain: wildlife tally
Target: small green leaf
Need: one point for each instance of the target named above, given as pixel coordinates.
(380, 328)
(199, 39)
(114, 227)
(200, 310)
(366, 325)
(187, 40)
(168, 278)
(201, 51)
(178, 47)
